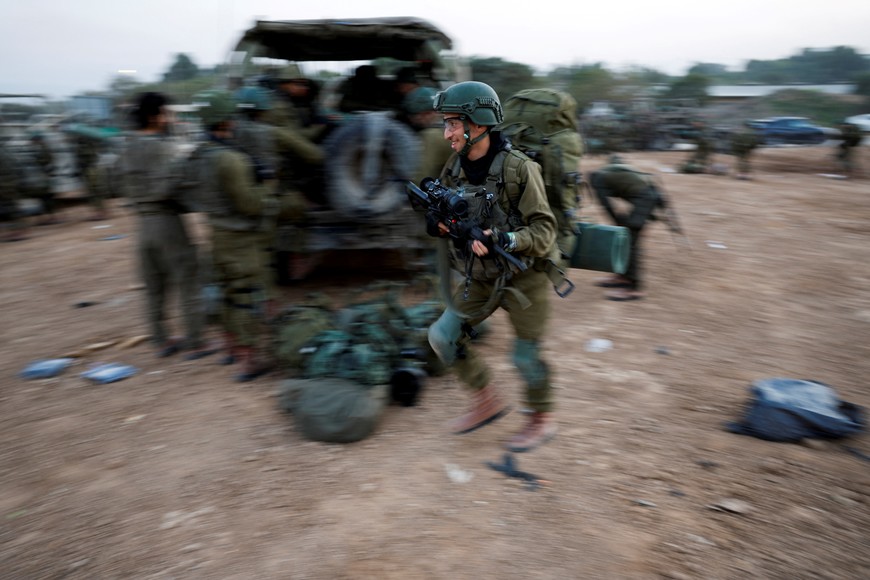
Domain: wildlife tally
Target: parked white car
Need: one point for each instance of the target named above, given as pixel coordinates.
(862, 121)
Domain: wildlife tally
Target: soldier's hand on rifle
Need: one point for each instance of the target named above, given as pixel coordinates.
(506, 241)
(434, 226)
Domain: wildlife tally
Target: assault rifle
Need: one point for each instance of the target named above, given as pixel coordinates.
(451, 209)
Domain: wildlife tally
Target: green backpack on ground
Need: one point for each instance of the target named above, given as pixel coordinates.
(333, 409)
(349, 363)
(542, 123)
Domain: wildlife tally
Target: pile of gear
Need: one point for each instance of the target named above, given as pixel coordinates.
(348, 364)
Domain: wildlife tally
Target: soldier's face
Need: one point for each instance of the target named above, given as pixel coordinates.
(454, 131)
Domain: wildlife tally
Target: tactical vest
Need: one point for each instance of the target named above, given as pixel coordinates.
(203, 191)
(495, 206)
(149, 174)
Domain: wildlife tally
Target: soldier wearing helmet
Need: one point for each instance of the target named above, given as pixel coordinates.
(241, 206)
(519, 220)
(638, 190)
(298, 128)
(150, 170)
(419, 114)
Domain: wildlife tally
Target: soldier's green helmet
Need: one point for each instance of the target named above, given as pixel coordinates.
(289, 72)
(419, 100)
(477, 101)
(214, 106)
(253, 98)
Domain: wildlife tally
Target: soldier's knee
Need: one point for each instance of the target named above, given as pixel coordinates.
(528, 361)
(444, 335)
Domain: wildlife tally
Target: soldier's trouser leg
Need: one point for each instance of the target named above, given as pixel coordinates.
(96, 189)
(153, 271)
(185, 274)
(450, 340)
(529, 325)
(633, 273)
(237, 260)
(267, 246)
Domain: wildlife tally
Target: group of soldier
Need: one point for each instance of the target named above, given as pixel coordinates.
(32, 177)
(254, 168)
(258, 165)
(745, 140)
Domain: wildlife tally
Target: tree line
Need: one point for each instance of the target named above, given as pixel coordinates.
(587, 83)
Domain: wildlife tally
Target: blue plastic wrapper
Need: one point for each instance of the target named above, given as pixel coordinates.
(109, 372)
(43, 369)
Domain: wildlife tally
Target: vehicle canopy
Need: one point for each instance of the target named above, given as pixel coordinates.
(402, 38)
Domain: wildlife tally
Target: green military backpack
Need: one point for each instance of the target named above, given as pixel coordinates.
(349, 363)
(542, 123)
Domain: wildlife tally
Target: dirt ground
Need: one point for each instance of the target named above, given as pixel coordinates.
(179, 472)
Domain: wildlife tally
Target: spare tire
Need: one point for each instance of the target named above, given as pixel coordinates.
(368, 161)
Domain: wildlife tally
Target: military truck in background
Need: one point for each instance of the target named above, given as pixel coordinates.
(360, 203)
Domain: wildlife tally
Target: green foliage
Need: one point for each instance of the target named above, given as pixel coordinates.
(587, 83)
(183, 69)
(822, 108)
(840, 64)
(692, 86)
(505, 77)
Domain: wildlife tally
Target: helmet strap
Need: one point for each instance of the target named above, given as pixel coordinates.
(469, 143)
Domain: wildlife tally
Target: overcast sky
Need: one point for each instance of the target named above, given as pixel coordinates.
(61, 48)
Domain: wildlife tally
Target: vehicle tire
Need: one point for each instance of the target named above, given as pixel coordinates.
(368, 161)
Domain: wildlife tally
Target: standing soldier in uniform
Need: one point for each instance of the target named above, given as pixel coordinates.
(850, 135)
(167, 257)
(87, 157)
(44, 158)
(418, 114)
(12, 229)
(240, 205)
(743, 143)
(516, 216)
(698, 161)
(620, 180)
(299, 167)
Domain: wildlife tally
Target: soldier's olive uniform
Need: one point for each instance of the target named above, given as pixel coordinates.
(851, 138)
(44, 158)
(524, 210)
(9, 183)
(697, 162)
(87, 158)
(637, 188)
(742, 144)
(167, 257)
(257, 140)
(237, 210)
(436, 152)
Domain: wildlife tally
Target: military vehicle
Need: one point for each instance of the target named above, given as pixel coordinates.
(360, 201)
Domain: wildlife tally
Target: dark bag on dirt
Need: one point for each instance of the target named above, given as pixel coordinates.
(791, 409)
(333, 409)
(352, 361)
(542, 123)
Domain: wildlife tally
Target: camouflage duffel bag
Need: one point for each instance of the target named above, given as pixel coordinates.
(334, 409)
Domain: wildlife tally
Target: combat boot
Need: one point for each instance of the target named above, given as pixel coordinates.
(539, 429)
(229, 348)
(252, 365)
(486, 406)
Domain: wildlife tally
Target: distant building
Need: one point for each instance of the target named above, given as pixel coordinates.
(739, 92)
